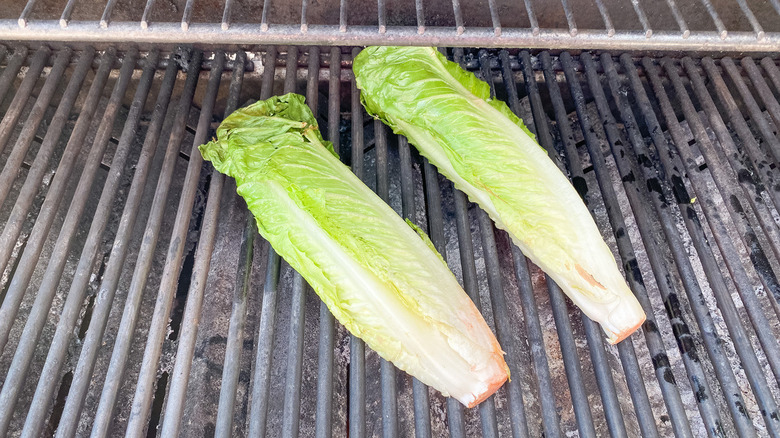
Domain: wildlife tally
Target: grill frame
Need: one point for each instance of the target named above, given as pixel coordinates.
(417, 190)
(634, 31)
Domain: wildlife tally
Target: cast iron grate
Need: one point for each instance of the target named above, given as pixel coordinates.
(138, 299)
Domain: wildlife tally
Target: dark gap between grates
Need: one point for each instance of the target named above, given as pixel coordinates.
(59, 404)
(157, 405)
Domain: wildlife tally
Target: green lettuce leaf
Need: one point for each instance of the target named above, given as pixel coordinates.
(479, 144)
(376, 275)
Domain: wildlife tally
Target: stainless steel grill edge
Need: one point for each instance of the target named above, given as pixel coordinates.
(737, 26)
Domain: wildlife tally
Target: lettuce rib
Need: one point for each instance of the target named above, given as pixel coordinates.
(479, 144)
(377, 276)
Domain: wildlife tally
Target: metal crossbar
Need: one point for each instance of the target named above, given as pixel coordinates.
(653, 26)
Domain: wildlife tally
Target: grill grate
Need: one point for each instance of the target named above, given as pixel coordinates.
(137, 297)
(691, 25)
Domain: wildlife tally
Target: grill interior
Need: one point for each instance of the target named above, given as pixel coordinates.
(137, 297)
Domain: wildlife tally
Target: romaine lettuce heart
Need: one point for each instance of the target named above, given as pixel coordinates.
(373, 271)
(479, 144)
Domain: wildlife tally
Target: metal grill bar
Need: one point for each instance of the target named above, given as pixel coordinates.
(304, 16)
(770, 102)
(550, 419)
(54, 359)
(21, 277)
(543, 32)
(642, 18)
(496, 287)
(67, 11)
(17, 105)
(26, 13)
(420, 11)
(757, 317)
(264, 17)
(643, 386)
(756, 116)
(752, 18)
(678, 17)
(285, 34)
(387, 371)
(772, 71)
(342, 16)
(292, 393)
(736, 330)
(292, 397)
(529, 9)
(655, 344)
(711, 339)
(181, 370)
(688, 350)
(459, 26)
(436, 233)
(265, 335)
(83, 373)
(653, 339)
(357, 348)
(422, 416)
(488, 408)
(11, 70)
(494, 17)
(715, 19)
(23, 355)
(627, 355)
(226, 14)
(144, 17)
(569, 18)
(501, 327)
(186, 17)
(234, 342)
(605, 17)
(381, 20)
(55, 267)
(549, 416)
(106, 18)
(595, 342)
(14, 160)
(143, 395)
(324, 415)
(581, 405)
